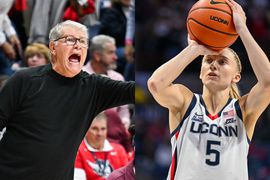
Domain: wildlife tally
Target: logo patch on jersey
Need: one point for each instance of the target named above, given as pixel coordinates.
(228, 114)
(197, 117)
(228, 121)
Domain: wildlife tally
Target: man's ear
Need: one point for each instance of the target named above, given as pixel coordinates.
(52, 47)
(236, 78)
(200, 74)
(97, 56)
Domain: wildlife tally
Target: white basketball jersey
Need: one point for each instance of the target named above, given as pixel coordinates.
(206, 147)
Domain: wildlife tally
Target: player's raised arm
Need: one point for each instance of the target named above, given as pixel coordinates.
(160, 83)
(258, 99)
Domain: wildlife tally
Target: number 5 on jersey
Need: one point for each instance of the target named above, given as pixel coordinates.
(210, 151)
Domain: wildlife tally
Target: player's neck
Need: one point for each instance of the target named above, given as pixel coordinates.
(214, 102)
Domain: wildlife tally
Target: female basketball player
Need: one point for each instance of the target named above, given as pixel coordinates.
(211, 133)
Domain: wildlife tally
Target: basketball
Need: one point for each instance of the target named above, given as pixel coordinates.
(210, 23)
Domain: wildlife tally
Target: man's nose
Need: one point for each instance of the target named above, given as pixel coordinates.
(99, 132)
(115, 57)
(77, 44)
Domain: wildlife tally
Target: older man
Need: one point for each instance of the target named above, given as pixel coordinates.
(103, 61)
(48, 109)
(97, 158)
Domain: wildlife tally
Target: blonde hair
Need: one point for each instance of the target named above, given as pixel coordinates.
(36, 48)
(234, 91)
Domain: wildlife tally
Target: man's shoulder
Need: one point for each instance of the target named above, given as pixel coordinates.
(33, 71)
(117, 147)
(115, 75)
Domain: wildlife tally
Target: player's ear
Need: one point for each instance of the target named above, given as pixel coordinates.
(200, 74)
(236, 78)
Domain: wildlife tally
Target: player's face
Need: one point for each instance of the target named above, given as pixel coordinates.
(108, 58)
(68, 60)
(97, 133)
(219, 70)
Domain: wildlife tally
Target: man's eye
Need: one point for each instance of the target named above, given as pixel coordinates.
(70, 39)
(84, 41)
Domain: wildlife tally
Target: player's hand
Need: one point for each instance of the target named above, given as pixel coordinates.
(239, 16)
(200, 49)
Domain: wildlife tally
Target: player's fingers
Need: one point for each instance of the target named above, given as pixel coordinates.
(230, 4)
(234, 5)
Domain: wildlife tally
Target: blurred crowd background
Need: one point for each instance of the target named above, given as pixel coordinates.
(161, 33)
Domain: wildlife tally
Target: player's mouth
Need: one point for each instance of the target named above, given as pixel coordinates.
(212, 74)
(75, 58)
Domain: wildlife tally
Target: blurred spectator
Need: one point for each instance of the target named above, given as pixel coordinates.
(130, 31)
(10, 45)
(113, 23)
(45, 16)
(16, 16)
(36, 54)
(129, 48)
(127, 172)
(103, 61)
(77, 9)
(92, 20)
(117, 132)
(96, 157)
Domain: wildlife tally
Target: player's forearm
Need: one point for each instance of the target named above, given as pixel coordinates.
(258, 59)
(168, 72)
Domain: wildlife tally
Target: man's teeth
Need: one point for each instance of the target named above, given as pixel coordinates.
(74, 62)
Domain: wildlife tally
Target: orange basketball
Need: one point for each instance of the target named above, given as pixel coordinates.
(210, 23)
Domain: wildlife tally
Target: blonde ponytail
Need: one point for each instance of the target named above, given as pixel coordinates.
(234, 91)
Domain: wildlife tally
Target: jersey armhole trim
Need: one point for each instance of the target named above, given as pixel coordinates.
(238, 110)
(191, 106)
(239, 114)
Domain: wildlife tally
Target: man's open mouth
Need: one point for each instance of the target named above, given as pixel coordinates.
(75, 58)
